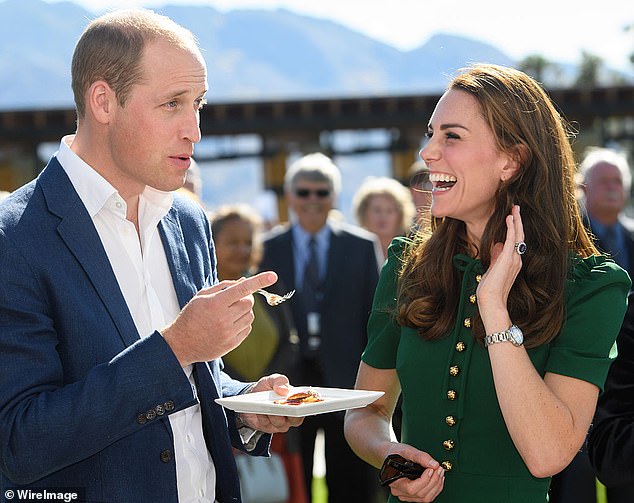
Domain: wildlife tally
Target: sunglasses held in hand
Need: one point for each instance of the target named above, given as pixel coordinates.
(396, 467)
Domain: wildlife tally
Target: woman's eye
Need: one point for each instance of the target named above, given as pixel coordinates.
(452, 136)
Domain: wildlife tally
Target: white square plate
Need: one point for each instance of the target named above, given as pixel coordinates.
(334, 399)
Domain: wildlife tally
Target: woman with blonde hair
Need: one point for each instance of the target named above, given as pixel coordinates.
(384, 207)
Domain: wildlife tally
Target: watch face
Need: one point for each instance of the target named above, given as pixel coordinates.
(516, 335)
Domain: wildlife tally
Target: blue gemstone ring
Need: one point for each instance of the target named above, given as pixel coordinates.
(520, 248)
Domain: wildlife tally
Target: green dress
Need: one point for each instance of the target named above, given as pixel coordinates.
(450, 409)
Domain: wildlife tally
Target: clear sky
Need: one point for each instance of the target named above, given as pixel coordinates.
(557, 29)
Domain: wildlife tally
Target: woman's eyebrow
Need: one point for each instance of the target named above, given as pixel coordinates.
(448, 126)
(451, 125)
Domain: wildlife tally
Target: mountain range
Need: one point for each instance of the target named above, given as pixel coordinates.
(251, 55)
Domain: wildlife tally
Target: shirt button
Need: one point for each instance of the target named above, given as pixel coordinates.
(118, 205)
(446, 465)
(448, 444)
(166, 456)
(478, 277)
(454, 370)
(472, 298)
(450, 420)
(451, 394)
(467, 322)
(460, 346)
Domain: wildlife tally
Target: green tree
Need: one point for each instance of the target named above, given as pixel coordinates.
(535, 65)
(541, 69)
(589, 70)
(630, 28)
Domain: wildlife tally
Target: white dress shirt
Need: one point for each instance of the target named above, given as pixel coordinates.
(140, 266)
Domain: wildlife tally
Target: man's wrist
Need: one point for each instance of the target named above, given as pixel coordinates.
(249, 436)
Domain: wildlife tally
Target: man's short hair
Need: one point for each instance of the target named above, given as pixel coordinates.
(315, 167)
(111, 48)
(596, 155)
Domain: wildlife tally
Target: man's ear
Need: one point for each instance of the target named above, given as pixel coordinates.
(101, 101)
(518, 156)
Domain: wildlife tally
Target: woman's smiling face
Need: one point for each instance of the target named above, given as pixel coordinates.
(466, 166)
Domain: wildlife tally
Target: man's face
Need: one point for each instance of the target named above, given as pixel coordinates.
(605, 196)
(311, 202)
(152, 137)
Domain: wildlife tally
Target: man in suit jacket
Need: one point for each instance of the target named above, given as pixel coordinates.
(611, 439)
(112, 324)
(335, 288)
(606, 183)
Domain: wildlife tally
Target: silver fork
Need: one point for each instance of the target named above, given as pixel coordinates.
(274, 299)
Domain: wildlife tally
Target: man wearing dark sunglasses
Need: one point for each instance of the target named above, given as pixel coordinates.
(334, 268)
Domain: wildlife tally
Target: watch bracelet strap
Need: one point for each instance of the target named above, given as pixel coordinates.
(504, 336)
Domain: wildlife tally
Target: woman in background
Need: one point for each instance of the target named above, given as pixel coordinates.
(385, 207)
(273, 345)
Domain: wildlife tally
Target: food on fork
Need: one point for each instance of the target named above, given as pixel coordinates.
(308, 396)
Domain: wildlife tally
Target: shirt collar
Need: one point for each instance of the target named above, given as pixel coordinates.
(92, 188)
(302, 237)
(95, 191)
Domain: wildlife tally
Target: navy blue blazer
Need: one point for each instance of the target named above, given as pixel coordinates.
(84, 402)
(351, 277)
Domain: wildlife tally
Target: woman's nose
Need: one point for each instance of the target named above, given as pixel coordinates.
(426, 154)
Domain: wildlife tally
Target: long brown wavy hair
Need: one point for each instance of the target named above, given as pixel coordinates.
(525, 124)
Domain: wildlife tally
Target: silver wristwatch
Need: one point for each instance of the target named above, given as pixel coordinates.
(513, 335)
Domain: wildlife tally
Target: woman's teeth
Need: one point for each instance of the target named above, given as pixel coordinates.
(442, 181)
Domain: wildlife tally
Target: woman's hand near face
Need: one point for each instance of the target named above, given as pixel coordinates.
(496, 283)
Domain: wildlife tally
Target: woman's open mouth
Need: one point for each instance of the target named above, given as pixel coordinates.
(442, 181)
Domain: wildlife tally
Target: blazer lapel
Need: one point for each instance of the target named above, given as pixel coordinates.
(79, 234)
(176, 253)
(279, 258)
(286, 261)
(336, 256)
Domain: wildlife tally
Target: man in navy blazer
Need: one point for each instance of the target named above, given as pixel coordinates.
(112, 323)
(607, 182)
(330, 310)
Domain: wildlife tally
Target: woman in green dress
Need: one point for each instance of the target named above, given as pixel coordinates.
(498, 324)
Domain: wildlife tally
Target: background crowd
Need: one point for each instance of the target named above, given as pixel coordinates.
(318, 337)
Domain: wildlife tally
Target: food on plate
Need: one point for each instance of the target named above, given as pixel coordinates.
(308, 396)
